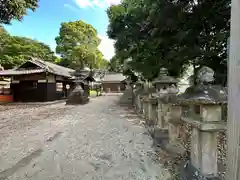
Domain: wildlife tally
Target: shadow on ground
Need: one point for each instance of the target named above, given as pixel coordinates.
(169, 159)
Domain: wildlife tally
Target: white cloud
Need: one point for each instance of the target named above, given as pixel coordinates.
(96, 3)
(107, 47)
(70, 7)
(112, 2)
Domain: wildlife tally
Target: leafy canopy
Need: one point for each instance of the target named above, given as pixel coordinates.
(115, 64)
(15, 9)
(14, 50)
(77, 44)
(172, 34)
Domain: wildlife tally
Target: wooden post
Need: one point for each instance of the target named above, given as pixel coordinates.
(233, 131)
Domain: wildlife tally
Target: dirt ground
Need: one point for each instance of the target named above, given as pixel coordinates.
(100, 140)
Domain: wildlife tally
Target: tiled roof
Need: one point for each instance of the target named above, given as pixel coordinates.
(12, 72)
(44, 66)
(113, 77)
(53, 68)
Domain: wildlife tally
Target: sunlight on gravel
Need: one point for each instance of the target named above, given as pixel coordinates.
(100, 140)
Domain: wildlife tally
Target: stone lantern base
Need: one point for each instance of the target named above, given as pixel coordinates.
(77, 96)
(160, 137)
(189, 172)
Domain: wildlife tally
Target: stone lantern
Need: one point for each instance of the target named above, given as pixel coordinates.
(205, 117)
(149, 103)
(176, 131)
(166, 86)
(163, 82)
(80, 94)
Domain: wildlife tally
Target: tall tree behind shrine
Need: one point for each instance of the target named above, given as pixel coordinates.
(77, 44)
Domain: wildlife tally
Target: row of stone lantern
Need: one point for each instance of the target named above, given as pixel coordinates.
(163, 110)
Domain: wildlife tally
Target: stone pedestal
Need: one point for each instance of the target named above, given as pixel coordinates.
(163, 115)
(152, 114)
(139, 104)
(174, 125)
(138, 99)
(152, 109)
(159, 115)
(204, 138)
(138, 91)
(161, 128)
(145, 107)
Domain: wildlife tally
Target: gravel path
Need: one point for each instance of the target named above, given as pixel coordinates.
(98, 141)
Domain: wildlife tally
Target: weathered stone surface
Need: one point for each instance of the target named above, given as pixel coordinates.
(77, 96)
(205, 117)
(163, 79)
(204, 94)
(189, 172)
(161, 137)
(205, 126)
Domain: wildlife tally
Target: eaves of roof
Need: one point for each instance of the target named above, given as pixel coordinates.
(12, 72)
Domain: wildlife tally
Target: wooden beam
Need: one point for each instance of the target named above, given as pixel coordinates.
(233, 131)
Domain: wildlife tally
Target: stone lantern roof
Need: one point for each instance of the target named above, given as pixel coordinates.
(163, 78)
(82, 75)
(204, 92)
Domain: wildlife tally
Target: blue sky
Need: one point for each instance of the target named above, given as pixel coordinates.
(44, 23)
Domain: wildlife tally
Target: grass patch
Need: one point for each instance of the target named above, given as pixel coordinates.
(93, 93)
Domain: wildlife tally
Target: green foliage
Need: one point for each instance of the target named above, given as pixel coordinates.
(103, 64)
(115, 64)
(15, 50)
(170, 34)
(77, 44)
(15, 9)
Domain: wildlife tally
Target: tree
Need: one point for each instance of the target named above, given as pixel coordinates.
(136, 40)
(15, 9)
(115, 64)
(77, 44)
(81, 56)
(170, 34)
(103, 64)
(15, 50)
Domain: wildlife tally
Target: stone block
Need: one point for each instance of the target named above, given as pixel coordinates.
(152, 110)
(208, 144)
(174, 131)
(206, 126)
(211, 113)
